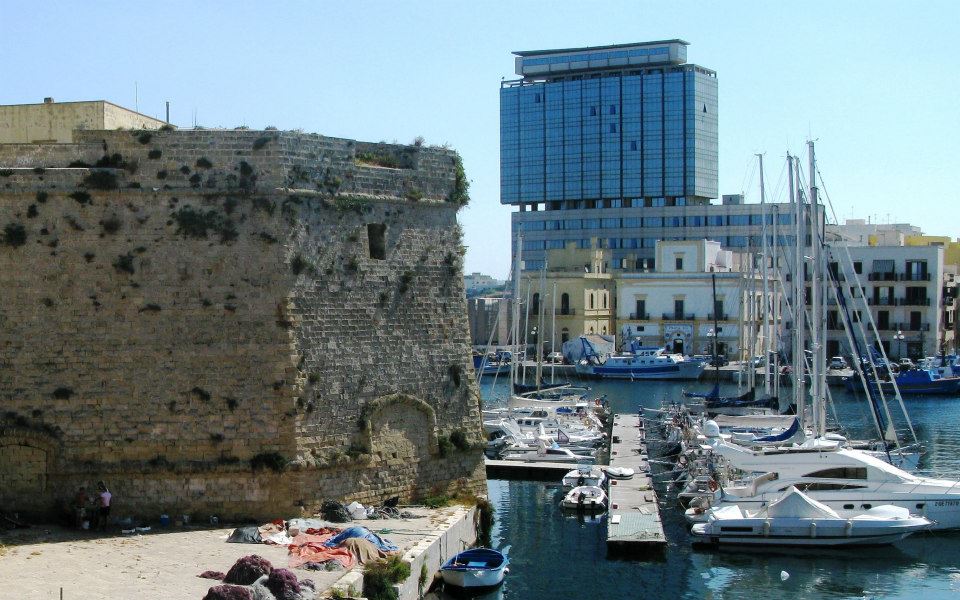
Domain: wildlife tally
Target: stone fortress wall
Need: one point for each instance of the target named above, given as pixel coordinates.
(232, 322)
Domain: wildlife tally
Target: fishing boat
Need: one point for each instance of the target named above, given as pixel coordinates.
(475, 569)
(795, 519)
(642, 362)
(585, 497)
(584, 475)
(914, 382)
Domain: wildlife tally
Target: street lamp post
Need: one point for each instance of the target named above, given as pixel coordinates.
(899, 337)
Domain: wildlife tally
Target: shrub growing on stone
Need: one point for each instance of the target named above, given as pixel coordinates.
(248, 569)
(269, 460)
(380, 576)
(14, 235)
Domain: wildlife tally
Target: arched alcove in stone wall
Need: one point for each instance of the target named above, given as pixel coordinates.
(27, 459)
(400, 427)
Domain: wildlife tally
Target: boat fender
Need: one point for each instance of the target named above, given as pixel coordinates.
(766, 529)
(813, 530)
(848, 528)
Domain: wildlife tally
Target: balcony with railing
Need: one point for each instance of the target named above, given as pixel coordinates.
(914, 301)
(914, 276)
(719, 317)
(882, 301)
(911, 327)
(679, 316)
(882, 276)
(639, 316)
(563, 312)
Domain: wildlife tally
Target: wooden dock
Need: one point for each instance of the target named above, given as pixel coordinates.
(633, 522)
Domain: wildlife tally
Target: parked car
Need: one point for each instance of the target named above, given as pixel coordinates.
(719, 361)
(555, 358)
(837, 363)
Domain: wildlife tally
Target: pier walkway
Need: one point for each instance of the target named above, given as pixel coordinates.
(633, 522)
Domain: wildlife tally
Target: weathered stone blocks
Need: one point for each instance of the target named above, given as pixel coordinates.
(166, 333)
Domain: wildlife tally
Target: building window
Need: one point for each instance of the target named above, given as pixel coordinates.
(641, 310)
(565, 304)
(858, 267)
(535, 304)
(633, 146)
(613, 109)
(593, 111)
(604, 296)
(679, 261)
(376, 241)
(591, 300)
(564, 335)
(678, 309)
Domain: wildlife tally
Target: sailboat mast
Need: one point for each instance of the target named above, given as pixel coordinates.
(799, 294)
(818, 305)
(553, 335)
(775, 310)
(765, 273)
(515, 326)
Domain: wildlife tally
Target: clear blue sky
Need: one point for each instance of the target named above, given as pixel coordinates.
(875, 83)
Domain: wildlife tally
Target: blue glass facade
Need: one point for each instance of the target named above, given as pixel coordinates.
(599, 150)
(616, 136)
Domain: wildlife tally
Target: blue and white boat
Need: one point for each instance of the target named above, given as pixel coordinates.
(914, 382)
(642, 362)
(475, 568)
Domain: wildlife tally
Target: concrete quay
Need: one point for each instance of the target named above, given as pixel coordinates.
(164, 563)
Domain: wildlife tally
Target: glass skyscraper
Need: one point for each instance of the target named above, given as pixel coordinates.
(627, 123)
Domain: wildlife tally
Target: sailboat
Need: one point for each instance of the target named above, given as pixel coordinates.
(846, 480)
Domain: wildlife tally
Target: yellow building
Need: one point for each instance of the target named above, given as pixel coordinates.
(951, 249)
(54, 122)
(574, 291)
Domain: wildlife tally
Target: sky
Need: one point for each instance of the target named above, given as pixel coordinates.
(875, 84)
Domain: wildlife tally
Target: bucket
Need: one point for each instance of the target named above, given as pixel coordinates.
(164, 520)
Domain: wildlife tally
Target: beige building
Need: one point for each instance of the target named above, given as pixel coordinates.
(54, 122)
(674, 304)
(574, 293)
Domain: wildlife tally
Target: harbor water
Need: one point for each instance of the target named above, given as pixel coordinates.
(560, 555)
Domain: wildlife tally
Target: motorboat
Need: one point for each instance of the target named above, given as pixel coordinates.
(620, 472)
(544, 453)
(796, 519)
(584, 475)
(475, 569)
(585, 497)
(641, 362)
(848, 481)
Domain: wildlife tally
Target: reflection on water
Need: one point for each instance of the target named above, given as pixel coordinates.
(556, 554)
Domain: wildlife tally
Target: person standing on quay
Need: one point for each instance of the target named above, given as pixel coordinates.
(103, 513)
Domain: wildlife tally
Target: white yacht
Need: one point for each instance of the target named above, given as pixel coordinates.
(847, 481)
(797, 519)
